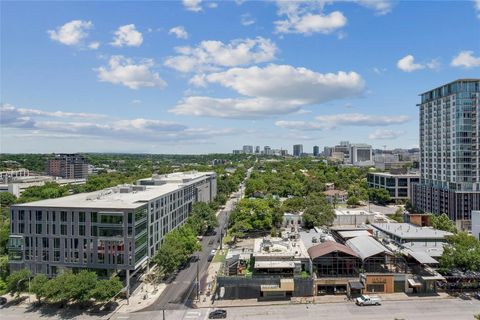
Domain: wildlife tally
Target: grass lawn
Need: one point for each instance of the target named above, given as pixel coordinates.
(219, 257)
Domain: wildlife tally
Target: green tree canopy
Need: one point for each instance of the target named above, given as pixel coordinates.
(443, 222)
(17, 282)
(462, 252)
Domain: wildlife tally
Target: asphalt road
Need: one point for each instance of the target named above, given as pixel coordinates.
(448, 309)
(176, 294)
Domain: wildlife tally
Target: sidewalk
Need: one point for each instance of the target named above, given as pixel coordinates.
(315, 300)
(143, 297)
(206, 294)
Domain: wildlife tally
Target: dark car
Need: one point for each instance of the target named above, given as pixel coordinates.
(218, 314)
(477, 295)
(3, 301)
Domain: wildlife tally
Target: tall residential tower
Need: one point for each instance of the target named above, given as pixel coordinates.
(449, 151)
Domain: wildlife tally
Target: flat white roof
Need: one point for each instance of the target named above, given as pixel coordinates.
(112, 198)
(353, 212)
(410, 231)
(397, 175)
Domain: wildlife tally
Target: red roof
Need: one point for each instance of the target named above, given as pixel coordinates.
(327, 247)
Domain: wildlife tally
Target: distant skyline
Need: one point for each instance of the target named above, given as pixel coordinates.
(203, 76)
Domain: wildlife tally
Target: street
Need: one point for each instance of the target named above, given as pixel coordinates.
(176, 294)
(413, 309)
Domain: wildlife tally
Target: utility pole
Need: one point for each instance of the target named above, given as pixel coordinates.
(163, 313)
(221, 237)
(198, 279)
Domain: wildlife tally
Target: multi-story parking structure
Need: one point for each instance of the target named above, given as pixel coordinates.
(112, 230)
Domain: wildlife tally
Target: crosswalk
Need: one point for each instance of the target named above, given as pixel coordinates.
(201, 314)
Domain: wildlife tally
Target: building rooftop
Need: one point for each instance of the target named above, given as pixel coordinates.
(351, 212)
(120, 197)
(410, 231)
(327, 247)
(278, 248)
(366, 246)
(354, 233)
(389, 174)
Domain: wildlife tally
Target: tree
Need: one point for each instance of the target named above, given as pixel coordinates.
(380, 196)
(38, 287)
(106, 289)
(176, 248)
(443, 222)
(7, 199)
(352, 201)
(17, 282)
(461, 252)
(398, 216)
(318, 215)
(202, 218)
(79, 289)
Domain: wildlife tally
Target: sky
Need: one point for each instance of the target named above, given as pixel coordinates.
(211, 76)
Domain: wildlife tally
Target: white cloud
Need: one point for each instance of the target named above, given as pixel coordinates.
(383, 134)
(179, 32)
(407, 64)
(307, 17)
(381, 7)
(267, 91)
(212, 5)
(285, 82)
(341, 120)
(127, 35)
(115, 129)
(466, 59)
(133, 75)
(210, 55)
(477, 7)
(94, 45)
(193, 5)
(246, 19)
(71, 33)
(236, 108)
(136, 101)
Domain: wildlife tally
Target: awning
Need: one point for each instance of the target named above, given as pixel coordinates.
(422, 257)
(357, 285)
(413, 283)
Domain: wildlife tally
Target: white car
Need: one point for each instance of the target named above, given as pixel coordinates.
(365, 300)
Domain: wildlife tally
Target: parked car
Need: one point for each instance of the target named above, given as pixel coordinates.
(365, 300)
(211, 242)
(3, 301)
(218, 314)
(476, 295)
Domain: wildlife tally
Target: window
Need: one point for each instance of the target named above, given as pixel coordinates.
(94, 217)
(63, 216)
(63, 229)
(81, 217)
(110, 232)
(93, 231)
(111, 219)
(38, 228)
(81, 230)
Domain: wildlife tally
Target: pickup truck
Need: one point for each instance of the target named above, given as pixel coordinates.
(365, 300)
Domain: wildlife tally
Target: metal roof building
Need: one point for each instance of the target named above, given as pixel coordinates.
(366, 247)
(405, 232)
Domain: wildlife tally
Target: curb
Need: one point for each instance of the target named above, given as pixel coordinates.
(265, 304)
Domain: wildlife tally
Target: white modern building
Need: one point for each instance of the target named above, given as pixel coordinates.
(449, 156)
(115, 229)
(398, 185)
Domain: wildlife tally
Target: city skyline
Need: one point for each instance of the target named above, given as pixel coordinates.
(205, 77)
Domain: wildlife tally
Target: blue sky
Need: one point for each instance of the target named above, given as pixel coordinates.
(201, 77)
